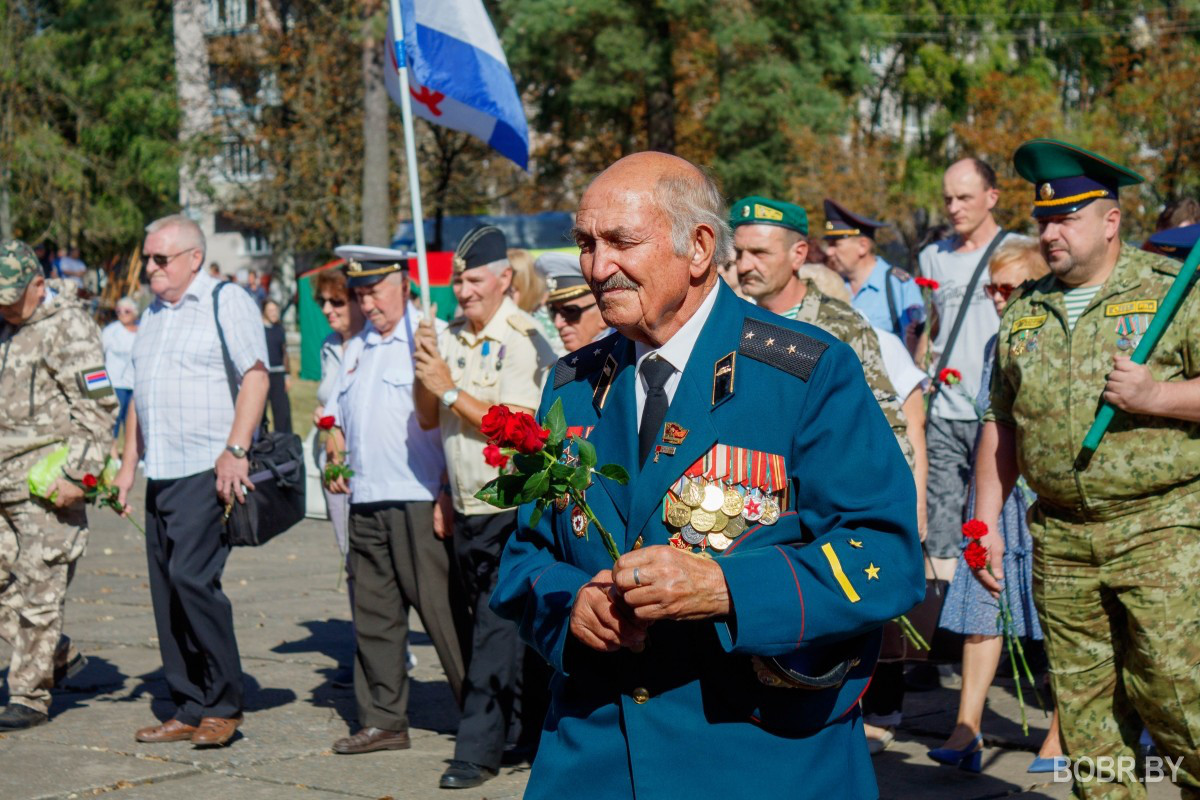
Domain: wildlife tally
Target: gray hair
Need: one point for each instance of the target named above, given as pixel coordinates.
(688, 202)
(189, 231)
(126, 302)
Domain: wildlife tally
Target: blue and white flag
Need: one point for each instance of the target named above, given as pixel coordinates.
(458, 76)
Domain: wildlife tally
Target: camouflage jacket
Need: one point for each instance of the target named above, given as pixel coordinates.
(44, 369)
(1049, 380)
(841, 320)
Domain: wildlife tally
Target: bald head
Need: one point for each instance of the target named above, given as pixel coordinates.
(651, 228)
(969, 194)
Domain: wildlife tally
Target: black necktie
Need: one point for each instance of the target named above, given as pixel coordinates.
(656, 371)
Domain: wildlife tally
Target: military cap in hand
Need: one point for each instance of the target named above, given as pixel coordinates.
(755, 210)
(1066, 178)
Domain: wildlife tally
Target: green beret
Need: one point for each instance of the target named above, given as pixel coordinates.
(755, 210)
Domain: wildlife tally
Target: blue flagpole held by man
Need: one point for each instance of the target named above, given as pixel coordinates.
(410, 155)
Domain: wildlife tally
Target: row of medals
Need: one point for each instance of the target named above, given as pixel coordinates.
(709, 515)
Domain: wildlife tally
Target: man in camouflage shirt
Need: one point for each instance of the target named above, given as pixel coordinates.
(56, 393)
(770, 244)
(1116, 542)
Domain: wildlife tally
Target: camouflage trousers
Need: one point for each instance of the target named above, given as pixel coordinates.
(1120, 609)
(38, 550)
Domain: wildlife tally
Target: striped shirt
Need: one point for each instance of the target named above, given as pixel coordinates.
(1076, 300)
(184, 408)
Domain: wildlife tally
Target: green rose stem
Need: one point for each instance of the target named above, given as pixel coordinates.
(911, 633)
(1016, 654)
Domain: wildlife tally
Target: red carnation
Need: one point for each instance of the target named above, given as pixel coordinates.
(326, 423)
(976, 555)
(950, 376)
(928, 283)
(974, 529)
(493, 456)
(89, 481)
(495, 421)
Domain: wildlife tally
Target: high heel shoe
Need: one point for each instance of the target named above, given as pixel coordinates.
(1042, 764)
(970, 758)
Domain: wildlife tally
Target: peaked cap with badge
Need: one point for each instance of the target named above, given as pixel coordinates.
(483, 246)
(841, 223)
(367, 266)
(756, 210)
(18, 266)
(1066, 178)
(1176, 242)
(564, 278)
(774, 460)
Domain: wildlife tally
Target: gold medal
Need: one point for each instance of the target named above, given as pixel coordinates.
(692, 493)
(678, 515)
(702, 520)
(731, 506)
(720, 522)
(736, 527)
(714, 498)
(770, 513)
(719, 541)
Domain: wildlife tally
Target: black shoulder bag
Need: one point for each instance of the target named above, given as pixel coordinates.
(276, 470)
(944, 358)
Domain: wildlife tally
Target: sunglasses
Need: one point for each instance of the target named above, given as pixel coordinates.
(336, 302)
(570, 314)
(161, 259)
(1001, 290)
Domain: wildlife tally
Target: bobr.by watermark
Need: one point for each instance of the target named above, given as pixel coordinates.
(1116, 769)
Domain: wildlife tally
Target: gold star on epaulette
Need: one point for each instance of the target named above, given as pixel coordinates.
(750, 335)
(872, 572)
(854, 543)
(770, 342)
(791, 348)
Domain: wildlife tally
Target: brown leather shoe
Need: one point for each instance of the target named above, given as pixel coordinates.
(216, 731)
(368, 740)
(170, 731)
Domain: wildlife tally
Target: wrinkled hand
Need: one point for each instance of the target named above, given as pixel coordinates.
(1131, 387)
(124, 484)
(233, 478)
(601, 620)
(443, 516)
(994, 543)
(671, 584)
(67, 493)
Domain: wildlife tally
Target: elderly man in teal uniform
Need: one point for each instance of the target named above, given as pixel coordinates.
(768, 531)
(887, 295)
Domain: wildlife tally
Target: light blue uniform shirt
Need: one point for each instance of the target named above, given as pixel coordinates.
(392, 458)
(872, 300)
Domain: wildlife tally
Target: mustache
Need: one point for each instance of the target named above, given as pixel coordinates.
(618, 280)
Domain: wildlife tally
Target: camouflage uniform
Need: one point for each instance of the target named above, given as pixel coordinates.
(841, 320)
(1117, 546)
(42, 366)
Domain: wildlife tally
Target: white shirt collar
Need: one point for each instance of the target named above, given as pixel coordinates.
(679, 347)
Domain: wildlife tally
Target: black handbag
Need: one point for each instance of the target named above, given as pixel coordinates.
(276, 470)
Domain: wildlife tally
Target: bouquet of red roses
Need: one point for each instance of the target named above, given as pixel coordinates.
(334, 469)
(976, 556)
(540, 472)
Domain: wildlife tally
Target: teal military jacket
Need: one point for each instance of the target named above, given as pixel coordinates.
(701, 712)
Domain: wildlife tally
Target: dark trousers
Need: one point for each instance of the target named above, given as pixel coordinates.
(398, 564)
(885, 696)
(194, 619)
(494, 657)
(281, 407)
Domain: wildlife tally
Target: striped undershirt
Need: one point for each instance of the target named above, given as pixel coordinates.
(1076, 300)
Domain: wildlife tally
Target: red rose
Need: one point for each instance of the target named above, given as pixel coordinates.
(950, 376)
(494, 422)
(928, 283)
(976, 555)
(89, 481)
(532, 437)
(974, 529)
(493, 456)
(326, 423)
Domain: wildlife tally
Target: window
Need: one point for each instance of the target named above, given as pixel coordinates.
(255, 243)
(239, 161)
(229, 16)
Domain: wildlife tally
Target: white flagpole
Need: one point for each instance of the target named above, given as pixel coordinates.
(410, 153)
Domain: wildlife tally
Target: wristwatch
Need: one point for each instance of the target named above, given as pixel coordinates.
(450, 397)
(238, 452)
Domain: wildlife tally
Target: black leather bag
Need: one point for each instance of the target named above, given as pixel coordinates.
(276, 470)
